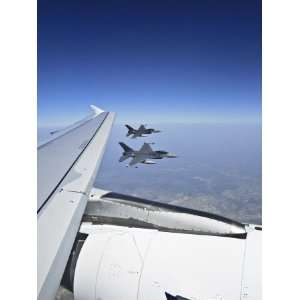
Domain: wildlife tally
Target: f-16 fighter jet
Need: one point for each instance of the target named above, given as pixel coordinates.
(140, 131)
(143, 155)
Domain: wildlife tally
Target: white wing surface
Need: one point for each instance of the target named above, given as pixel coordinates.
(67, 166)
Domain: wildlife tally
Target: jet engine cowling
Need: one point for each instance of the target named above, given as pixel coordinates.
(128, 263)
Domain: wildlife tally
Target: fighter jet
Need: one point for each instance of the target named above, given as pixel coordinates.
(140, 131)
(143, 155)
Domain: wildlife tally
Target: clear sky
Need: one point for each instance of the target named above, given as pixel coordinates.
(150, 61)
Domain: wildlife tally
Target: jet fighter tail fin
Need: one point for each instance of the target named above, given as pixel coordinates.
(125, 147)
(129, 127)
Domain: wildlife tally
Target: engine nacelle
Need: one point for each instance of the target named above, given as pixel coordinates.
(127, 263)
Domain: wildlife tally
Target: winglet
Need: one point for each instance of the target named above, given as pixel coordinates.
(96, 110)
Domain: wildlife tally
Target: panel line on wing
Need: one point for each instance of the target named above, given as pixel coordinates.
(77, 158)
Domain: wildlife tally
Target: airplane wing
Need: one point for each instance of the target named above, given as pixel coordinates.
(137, 134)
(146, 148)
(67, 166)
(137, 159)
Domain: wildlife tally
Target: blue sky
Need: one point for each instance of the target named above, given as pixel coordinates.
(150, 61)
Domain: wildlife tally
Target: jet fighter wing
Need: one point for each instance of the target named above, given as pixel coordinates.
(67, 166)
(137, 134)
(137, 159)
(146, 148)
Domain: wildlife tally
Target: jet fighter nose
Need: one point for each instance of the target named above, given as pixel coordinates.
(171, 155)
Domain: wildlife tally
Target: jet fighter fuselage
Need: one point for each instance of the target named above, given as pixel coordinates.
(140, 132)
(143, 155)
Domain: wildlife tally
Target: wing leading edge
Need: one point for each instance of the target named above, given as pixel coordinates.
(67, 167)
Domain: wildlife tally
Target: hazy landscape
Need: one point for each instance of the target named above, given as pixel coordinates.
(218, 168)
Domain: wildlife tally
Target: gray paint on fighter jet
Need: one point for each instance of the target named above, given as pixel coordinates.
(144, 155)
(140, 132)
